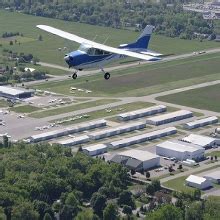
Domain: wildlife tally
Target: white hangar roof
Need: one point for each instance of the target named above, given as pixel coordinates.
(215, 175)
(198, 139)
(179, 146)
(13, 91)
(138, 154)
(95, 147)
(201, 121)
(169, 115)
(196, 179)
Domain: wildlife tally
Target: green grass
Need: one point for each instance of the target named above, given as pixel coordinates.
(3, 103)
(214, 153)
(47, 50)
(24, 109)
(178, 184)
(203, 98)
(145, 79)
(115, 110)
(69, 108)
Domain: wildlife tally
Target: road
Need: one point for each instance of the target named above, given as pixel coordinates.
(119, 67)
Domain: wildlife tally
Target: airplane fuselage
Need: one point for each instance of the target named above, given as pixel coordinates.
(80, 60)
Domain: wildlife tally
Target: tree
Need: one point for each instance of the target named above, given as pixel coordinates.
(98, 203)
(147, 174)
(47, 217)
(125, 198)
(150, 189)
(194, 211)
(180, 167)
(110, 212)
(127, 210)
(166, 212)
(5, 141)
(216, 158)
(24, 211)
(85, 215)
(156, 185)
(197, 194)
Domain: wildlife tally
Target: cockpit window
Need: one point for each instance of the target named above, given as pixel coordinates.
(92, 51)
(84, 48)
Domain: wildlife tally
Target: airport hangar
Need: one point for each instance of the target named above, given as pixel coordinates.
(180, 150)
(15, 93)
(137, 159)
(198, 182)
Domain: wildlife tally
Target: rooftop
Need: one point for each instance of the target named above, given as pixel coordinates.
(214, 174)
(180, 146)
(203, 120)
(13, 90)
(198, 139)
(138, 154)
(95, 147)
(169, 115)
(196, 179)
(143, 110)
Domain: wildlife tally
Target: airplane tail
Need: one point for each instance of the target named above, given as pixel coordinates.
(143, 40)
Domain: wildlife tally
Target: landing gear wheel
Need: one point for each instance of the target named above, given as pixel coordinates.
(107, 76)
(74, 76)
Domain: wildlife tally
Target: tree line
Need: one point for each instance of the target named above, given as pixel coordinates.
(169, 19)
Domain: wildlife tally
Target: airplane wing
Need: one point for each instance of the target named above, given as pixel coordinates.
(81, 40)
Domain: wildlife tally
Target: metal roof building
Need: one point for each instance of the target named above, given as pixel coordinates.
(201, 122)
(94, 150)
(198, 182)
(180, 150)
(137, 159)
(213, 176)
(142, 138)
(142, 112)
(201, 140)
(67, 130)
(15, 92)
(169, 117)
(74, 141)
(117, 130)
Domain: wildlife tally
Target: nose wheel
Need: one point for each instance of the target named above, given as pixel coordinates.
(107, 76)
(74, 76)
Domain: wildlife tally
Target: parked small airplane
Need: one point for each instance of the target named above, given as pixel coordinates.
(95, 55)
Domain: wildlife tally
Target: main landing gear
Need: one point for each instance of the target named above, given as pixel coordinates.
(106, 74)
(74, 76)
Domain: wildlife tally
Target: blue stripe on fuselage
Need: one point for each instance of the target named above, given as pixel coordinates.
(80, 58)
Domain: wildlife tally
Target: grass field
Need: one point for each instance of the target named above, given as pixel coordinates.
(146, 79)
(47, 50)
(114, 111)
(24, 109)
(3, 103)
(203, 98)
(69, 108)
(178, 184)
(214, 153)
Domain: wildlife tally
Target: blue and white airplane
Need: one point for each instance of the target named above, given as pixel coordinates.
(95, 55)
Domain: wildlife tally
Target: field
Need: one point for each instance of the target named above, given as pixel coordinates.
(204, 98)
(69, 108)
(114, 111)
(146, 79)
(47, 50)
(3, 103)
(24, 109)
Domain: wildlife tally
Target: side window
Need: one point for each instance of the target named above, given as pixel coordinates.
(98, 52)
